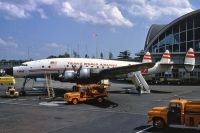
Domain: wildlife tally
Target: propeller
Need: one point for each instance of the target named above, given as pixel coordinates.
(74, 68)
(61, 75)
(2, 72)
(77, 70)
(6, 71)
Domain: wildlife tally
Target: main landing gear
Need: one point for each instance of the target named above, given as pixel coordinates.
(22, 91)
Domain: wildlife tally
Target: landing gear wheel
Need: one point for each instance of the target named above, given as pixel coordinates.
(100, 99)
(158, 123)
(22, 93)
(139, 90)
(75, 101)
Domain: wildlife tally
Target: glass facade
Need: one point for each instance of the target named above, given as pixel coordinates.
(179, 37)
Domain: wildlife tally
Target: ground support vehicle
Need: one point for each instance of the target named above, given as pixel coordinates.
(7, 80)
(11, 92)
(180, 113)
(87, 92)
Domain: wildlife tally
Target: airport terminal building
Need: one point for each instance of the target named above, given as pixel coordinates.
(177, 37)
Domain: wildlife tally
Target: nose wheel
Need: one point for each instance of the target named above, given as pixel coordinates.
(22, 91)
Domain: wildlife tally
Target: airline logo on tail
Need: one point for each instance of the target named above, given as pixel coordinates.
(189, 60)
(147, 58)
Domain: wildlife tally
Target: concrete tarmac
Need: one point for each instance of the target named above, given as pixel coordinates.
(124, 111)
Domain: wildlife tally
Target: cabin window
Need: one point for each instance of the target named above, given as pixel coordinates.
(97, 66)
(24, 65)
(175, 107)
(49, 66)
(42, 66)
(67, 65)
(91, 66)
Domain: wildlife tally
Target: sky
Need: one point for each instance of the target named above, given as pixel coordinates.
(39, 28)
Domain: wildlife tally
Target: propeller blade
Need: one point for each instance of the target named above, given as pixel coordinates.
(6, 71)
(2, 72)
(74, 68)
(78, 71)
(61, 75)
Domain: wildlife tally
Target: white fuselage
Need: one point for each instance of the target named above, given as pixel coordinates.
(56, 65)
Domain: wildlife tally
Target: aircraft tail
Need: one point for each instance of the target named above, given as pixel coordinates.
(147, 58)
(189, 60)
(166, 57)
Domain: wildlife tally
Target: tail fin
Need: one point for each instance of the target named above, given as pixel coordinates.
(166, 57)
(147, 58)
(189, 60)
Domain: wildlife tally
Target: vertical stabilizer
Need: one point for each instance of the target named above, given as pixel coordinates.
(165, 57)
(189, 60)
(147, 58)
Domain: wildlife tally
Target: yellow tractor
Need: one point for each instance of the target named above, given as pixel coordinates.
(83, 93)
(11, 92)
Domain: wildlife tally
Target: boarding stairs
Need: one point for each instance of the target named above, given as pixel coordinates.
(141, 85)
(48, 85)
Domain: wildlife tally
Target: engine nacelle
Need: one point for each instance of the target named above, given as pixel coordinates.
(69, 75)
(84, 73)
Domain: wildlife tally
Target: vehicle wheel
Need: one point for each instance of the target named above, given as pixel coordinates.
(100, 99)
(75, 101)
(158, 123)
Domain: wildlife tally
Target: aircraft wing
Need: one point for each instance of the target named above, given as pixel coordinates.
(178, 65)
(167, 64)
(125, 69)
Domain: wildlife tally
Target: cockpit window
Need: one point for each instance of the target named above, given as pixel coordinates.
(24, 64)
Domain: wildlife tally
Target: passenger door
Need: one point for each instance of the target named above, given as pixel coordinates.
(174, 114)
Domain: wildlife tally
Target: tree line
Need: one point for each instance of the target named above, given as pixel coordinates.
(124, 55)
